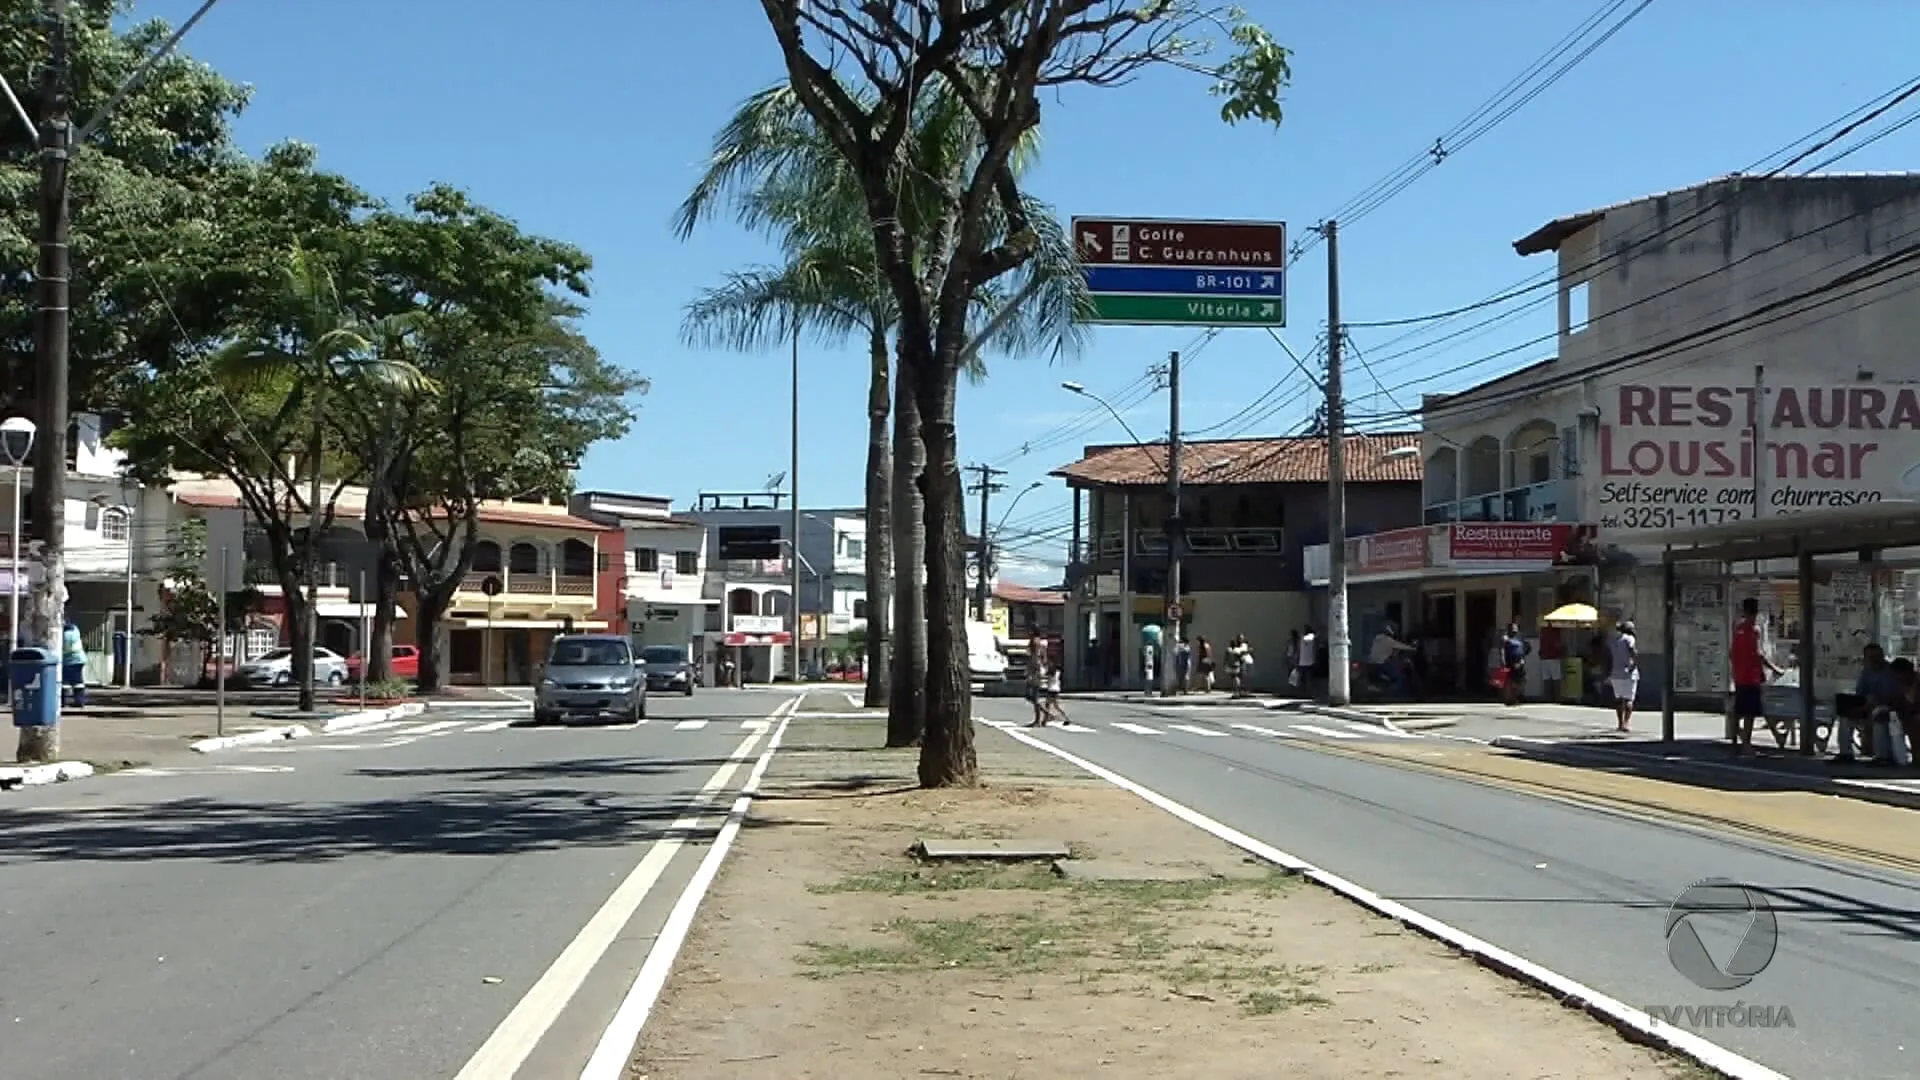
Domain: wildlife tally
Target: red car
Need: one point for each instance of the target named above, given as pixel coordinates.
(406, 664)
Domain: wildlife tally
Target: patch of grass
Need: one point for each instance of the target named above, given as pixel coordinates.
(1371, 969)
(998, 943)
(1268, 1002)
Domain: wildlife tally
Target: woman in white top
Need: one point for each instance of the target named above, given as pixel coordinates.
(1623, 672)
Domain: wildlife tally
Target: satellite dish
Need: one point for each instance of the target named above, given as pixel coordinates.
(775, 482)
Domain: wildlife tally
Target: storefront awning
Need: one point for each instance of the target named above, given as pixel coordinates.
(1888, 523)
(579, 625)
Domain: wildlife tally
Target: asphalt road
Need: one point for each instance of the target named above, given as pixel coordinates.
(1583, 892)
(371, 905)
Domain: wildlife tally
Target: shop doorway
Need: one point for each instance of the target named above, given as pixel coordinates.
(1483, 613)
(1438, 613)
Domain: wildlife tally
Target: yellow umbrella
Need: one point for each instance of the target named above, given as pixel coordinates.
(1574, 615)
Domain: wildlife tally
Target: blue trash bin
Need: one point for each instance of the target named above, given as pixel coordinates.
(35, 690)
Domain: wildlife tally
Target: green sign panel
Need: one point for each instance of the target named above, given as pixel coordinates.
(1188, 311)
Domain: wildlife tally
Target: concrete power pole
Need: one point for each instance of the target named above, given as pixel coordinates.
(1339, 646)
(986, 488)
(1176, 528)
(48, 609)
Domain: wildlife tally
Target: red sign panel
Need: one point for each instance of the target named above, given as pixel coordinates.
(737, 640)
(1161, 242)
(1521, 542)
(1397, 551)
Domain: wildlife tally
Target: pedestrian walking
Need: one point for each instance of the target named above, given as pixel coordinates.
(1203, 662)
(1513, 655)
(1240, 664)
(1751, 665)
(1623, 673)
(1307, 656)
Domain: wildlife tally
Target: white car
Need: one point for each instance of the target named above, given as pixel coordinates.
(276, 668)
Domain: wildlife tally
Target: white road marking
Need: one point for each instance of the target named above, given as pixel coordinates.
(1330, 733)
(613, 1055)
(501, 1056)
(811, 715)
(381, 726)
(1376, 729)
(495, 725)
(1192, 730)
(1258, 730)
(1001, 724)
(690, 725)
(201, 770)
(1068, 725)
(1137, 729)
(428, 729)
(1712, 1055)
(755, 725)
(856, 700)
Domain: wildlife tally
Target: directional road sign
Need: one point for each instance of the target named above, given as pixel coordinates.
(1161, 272)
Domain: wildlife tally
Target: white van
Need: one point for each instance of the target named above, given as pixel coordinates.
(985, 661)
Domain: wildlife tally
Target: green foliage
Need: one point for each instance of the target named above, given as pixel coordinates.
(389, 689)
(143, 191)
(189, 611)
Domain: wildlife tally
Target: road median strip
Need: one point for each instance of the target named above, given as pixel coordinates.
(330, 725)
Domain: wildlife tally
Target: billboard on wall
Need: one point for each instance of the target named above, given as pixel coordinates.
(1682, 452)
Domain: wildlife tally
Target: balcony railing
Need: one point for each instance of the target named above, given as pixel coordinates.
(1549, 501)
(1205, 541)
(530, 583)
(748, 569)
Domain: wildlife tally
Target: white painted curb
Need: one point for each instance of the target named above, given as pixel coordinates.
(1634, 1023)
(613, 1056)
(252, 738)
(350, 721)
(54, 773)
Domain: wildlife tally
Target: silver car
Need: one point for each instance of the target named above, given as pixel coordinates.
(592, 676)
(667, 668)
(276, 668)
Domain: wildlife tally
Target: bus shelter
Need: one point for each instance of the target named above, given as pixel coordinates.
(1832, 581)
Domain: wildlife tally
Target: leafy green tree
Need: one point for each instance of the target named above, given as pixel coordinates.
(146, 182)
(520, 394)
(784, 177)
(261, 401)
(995, 56)
(189, 612)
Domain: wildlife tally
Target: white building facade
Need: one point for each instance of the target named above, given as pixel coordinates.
(1736, 350)
(666, 568)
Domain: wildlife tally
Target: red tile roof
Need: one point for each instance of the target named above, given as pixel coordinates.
(1298, 460)
(492, 515)
(1010, 593)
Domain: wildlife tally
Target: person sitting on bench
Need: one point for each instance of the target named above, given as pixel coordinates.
(1861, 715)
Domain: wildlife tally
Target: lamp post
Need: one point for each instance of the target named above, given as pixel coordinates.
(16, 445)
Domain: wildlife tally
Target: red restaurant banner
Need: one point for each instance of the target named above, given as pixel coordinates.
(1396, 551)
(1520, 542)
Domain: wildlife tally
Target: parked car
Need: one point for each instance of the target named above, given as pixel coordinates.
(667, 668)
(590, 675)
(276, 668)
(406, 664)
(985, 662)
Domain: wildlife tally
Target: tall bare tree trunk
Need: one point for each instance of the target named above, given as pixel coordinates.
(906, 708)
(879, 526)
(947, 757)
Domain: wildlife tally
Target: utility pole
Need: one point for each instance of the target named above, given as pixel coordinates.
(986, 487)
(41, 744)
(1339, 646)
(793, 492)
(1176, 529)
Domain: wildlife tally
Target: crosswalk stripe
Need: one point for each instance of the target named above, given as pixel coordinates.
(428, 729)
(1068, 725)
(495, 725)
(1137, 729)
(380, 726)
(1374, 729)
(1192, 730)
(690, 725)
(1258, 730)
(1328, 732)
(755, 725)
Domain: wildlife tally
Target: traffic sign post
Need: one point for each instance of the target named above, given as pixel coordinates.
(1173, 613)
(1161, 272)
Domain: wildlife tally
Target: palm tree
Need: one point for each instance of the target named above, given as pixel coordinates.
(317, 353)
(784, 177)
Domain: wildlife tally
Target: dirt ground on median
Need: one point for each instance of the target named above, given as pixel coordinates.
(826, 950)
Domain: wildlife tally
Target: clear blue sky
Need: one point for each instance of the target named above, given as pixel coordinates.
(589, 120)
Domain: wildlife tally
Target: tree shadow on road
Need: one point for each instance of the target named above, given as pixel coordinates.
(580, 768)
(463, 820)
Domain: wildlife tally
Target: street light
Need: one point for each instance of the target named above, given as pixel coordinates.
(820, 601)
(16, 445)
(1076, 388)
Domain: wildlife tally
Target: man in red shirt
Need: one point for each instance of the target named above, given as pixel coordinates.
(1751, 666)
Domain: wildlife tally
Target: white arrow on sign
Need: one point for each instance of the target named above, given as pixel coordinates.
(1091, 242)
(1266, 281)
(1266, 309)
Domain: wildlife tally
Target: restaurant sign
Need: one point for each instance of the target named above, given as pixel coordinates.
(1690, 454)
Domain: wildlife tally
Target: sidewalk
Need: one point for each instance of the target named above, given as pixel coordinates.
(1709, 763)
(825, 951)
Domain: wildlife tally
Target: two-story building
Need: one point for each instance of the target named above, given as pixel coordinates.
(753, 553)
(115, 543)
(1250, 507)
(1732, 351)
(1021, 612)
(537, 571)
(666, 568)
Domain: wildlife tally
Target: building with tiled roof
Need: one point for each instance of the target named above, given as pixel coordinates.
(1249, 507)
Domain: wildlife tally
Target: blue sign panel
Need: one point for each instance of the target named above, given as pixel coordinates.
(1173, 281)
